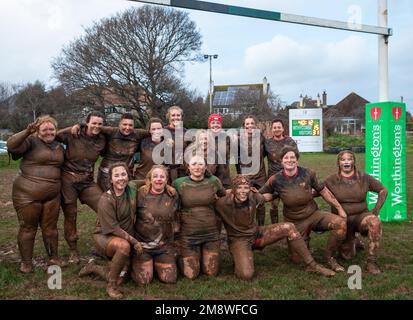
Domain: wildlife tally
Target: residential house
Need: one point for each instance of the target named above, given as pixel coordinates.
(233, 99)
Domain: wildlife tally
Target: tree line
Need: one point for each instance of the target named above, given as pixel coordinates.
(137, 56)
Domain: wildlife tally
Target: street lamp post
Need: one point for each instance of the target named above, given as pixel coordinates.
(210, 56)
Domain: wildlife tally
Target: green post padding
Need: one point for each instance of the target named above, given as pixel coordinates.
(386, 156)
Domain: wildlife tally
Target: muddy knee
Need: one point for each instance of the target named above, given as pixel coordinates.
(210, 263)
(191, 267)
(244, 274)
(142, 272)
(339, 228)
(167, 273)
(374, 227)
(291, 231)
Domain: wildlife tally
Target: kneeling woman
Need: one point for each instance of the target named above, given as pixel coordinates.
(156, 221)
(199, 231)
(114, 229)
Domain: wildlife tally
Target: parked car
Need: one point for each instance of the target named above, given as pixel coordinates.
(3, 146)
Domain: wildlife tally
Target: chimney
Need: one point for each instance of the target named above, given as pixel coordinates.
(324, 99)
(265, 86)
(318, 100)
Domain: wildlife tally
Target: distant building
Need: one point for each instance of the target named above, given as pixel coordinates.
(233, 99)
(347, 116)
(308, 102)
(113, 105)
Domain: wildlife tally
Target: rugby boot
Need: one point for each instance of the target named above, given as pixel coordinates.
(372, 266)
(334, 265)
(318, 268)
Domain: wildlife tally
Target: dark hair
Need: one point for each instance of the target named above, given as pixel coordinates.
(287, 149)
(94, 114)
(126, 115)
(278, 120)
(153, 120)
(250, 116)
(115, 165)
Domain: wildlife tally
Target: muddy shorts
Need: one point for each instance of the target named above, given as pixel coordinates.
(101, 243)
(188, 249)
(164, 254)
(72, 188)
(354, 224)
(318, 221)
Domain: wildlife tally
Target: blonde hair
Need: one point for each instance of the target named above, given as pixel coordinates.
(170, 109)
(195, 148)
(148, 184)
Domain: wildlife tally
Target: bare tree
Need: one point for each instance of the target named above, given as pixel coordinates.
(136, 55)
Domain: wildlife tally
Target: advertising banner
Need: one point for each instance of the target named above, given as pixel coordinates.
(386, 156)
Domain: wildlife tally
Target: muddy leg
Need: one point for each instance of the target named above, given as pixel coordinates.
(243, 257)
(29, 218)
(372, 225)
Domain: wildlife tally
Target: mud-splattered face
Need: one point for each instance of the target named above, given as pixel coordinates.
(126, 126)
(119, 178)
(249, 125)
(215, 126)
(197, 167)
(277, 129)
(175, 118)
(94, 126)
(203, 140)
(289, 161)
(158, 180)
(156, 131)
(241, 192)
(47, 132)
(346, 163)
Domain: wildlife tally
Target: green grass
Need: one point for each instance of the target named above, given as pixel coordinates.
(276, 277)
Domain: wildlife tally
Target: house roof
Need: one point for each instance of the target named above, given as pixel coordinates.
(352, 106)
(225, 95)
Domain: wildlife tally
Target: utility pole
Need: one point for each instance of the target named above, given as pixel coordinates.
(211, 87)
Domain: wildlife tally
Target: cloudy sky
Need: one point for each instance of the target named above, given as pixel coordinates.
(295, 59)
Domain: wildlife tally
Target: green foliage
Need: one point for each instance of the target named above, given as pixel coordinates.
(344, 141)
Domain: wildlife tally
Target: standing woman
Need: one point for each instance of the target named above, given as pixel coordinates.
(146, 148)
(175, 130)
(114, 228)
(78, 174)
(350, 188)
(156, 222)
(122, 143)
(259, 177)
(199, 230)
(273, 147)
(220, 142)
(36, 190)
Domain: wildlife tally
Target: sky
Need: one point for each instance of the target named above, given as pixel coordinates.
(295, 59)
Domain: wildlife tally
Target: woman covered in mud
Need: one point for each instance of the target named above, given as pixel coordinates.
(199, 234)
(237, 210)
(114, 235)
(156, 222)
(36, 189)
(272, 148)
(350, 188)
(294, 186)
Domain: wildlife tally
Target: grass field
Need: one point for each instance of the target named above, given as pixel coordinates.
(276, 277)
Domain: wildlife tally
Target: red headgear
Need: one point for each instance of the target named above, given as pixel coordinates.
(214, 117)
